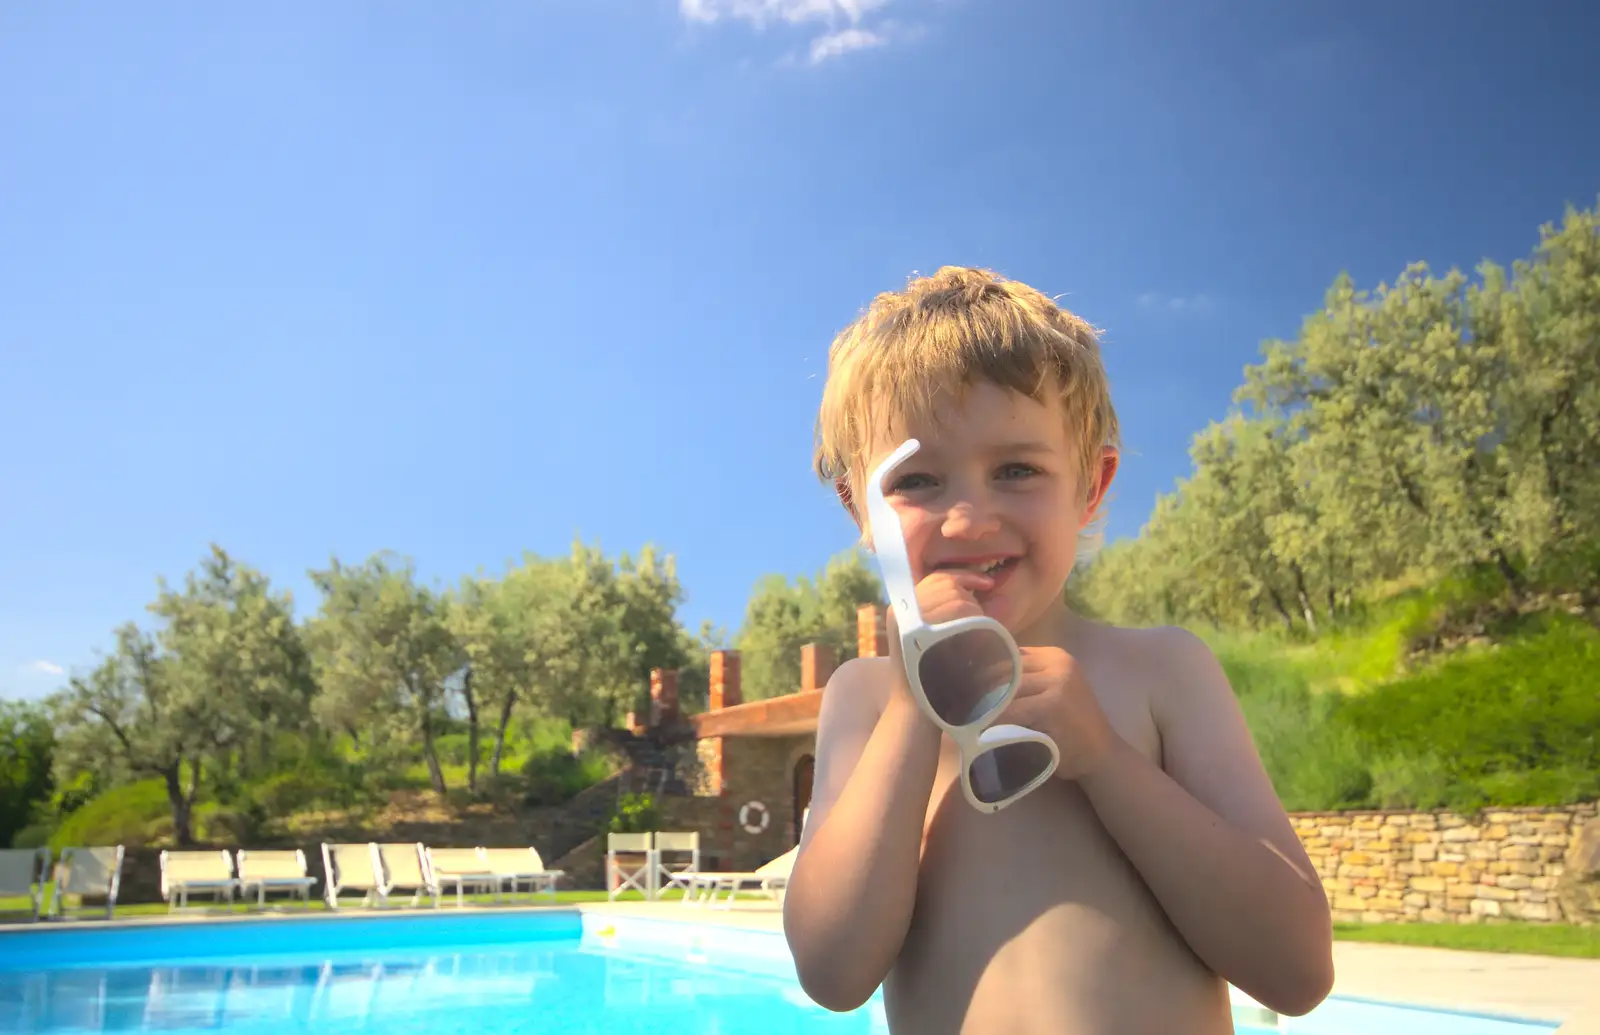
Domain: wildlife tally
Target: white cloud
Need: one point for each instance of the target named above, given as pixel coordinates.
(795, 12)
(844, 21)
(843, 42)
(48, 668)
(1200, 303)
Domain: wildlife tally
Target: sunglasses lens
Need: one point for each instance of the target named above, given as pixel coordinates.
(1003, 772)
(966, 677)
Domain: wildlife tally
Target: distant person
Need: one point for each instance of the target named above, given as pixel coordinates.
(1122, 893)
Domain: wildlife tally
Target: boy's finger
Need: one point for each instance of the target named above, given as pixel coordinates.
(1031, 685)
(966, 581)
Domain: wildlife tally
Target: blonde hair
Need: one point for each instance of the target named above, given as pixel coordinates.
(944, 333)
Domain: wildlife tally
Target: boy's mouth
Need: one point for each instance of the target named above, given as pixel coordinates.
(992, 566)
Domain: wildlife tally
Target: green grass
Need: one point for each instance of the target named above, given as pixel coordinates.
(1532, 939)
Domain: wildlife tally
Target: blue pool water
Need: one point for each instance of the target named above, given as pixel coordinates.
(554, 973)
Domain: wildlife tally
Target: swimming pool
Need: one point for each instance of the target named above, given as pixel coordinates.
(554, 972)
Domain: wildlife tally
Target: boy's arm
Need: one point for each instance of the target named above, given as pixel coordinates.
(854, 881)
(1211, 840)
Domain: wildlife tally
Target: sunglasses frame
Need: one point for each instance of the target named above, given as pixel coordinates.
(917, 637)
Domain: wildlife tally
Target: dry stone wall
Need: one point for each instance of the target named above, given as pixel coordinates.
(1443, 867)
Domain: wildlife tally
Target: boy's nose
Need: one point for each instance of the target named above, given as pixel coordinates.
(969, 520)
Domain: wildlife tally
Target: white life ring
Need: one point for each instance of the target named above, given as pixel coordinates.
(763, 817)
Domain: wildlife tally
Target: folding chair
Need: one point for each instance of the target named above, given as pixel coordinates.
(677, 871)
(624, 869)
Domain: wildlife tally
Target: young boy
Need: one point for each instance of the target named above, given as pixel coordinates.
(1156, 864)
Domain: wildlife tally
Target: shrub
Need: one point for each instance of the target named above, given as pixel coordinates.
(283, 794)
(552, 777)
(121, 815)
(1313, 763)
(34, 835)
(635, 814)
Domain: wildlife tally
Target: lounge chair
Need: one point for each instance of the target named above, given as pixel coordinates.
(463, 867)
(88, 872)
(771, 880)
(513, 866)
(352, 867)
(624, 869)
(185, 872)
(677, 860)
(24, 872)
(405, 866)
(274, 871)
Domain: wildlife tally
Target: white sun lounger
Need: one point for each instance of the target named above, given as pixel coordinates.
(274, 871)
(516, 866)
(85, 872)
(24, 872)
(464, 868)
(771, 880)
(405, 866)
(186, 872)
(352, 867)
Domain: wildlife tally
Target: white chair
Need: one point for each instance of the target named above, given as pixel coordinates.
(406, 866)
(624, 869)
(88, 871)
(677, 860)
(24, 872)
(771, 881)
(463, 867)
(352, 867)
(513, 866)
(186, 872)
(274, 871)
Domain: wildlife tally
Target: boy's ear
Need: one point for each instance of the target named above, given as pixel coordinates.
(1109, 461)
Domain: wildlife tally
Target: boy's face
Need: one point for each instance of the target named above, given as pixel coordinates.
(994, 487)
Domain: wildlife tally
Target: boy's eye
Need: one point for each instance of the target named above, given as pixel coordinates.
(1012, 471)
(912, 482)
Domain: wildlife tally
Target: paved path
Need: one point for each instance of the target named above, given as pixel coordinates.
(1542, 987)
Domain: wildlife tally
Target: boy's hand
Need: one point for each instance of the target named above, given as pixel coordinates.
(942, 596)
(1055, 698)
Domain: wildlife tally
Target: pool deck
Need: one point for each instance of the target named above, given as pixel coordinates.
(1546, 988)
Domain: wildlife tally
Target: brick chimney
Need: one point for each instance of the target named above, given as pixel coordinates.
(872, 641)
(724, 679)
(663, 696)
(816, 666)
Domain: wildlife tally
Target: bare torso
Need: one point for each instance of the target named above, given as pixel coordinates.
(1031, 920)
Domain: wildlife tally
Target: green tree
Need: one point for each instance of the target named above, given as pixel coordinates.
(517, 634)
(622, 623)
(225, 666)
(27, 748)
(782, 616)
(384, 654)
(1427, 426)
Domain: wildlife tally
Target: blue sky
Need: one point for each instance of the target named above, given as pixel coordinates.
(464, 280)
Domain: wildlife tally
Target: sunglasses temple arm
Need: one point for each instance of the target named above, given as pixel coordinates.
(889, 547)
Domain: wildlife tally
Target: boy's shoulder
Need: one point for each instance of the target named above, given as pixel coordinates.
(1164, 659)
(1157, 644)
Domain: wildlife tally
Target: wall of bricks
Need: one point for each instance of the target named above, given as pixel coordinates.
(1442, 867)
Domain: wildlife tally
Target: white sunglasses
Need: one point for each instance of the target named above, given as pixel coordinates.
(952, 669)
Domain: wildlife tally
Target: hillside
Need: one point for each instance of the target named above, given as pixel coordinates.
(1459, 695)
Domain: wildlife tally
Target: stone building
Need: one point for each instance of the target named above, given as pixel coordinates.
(754, 759)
